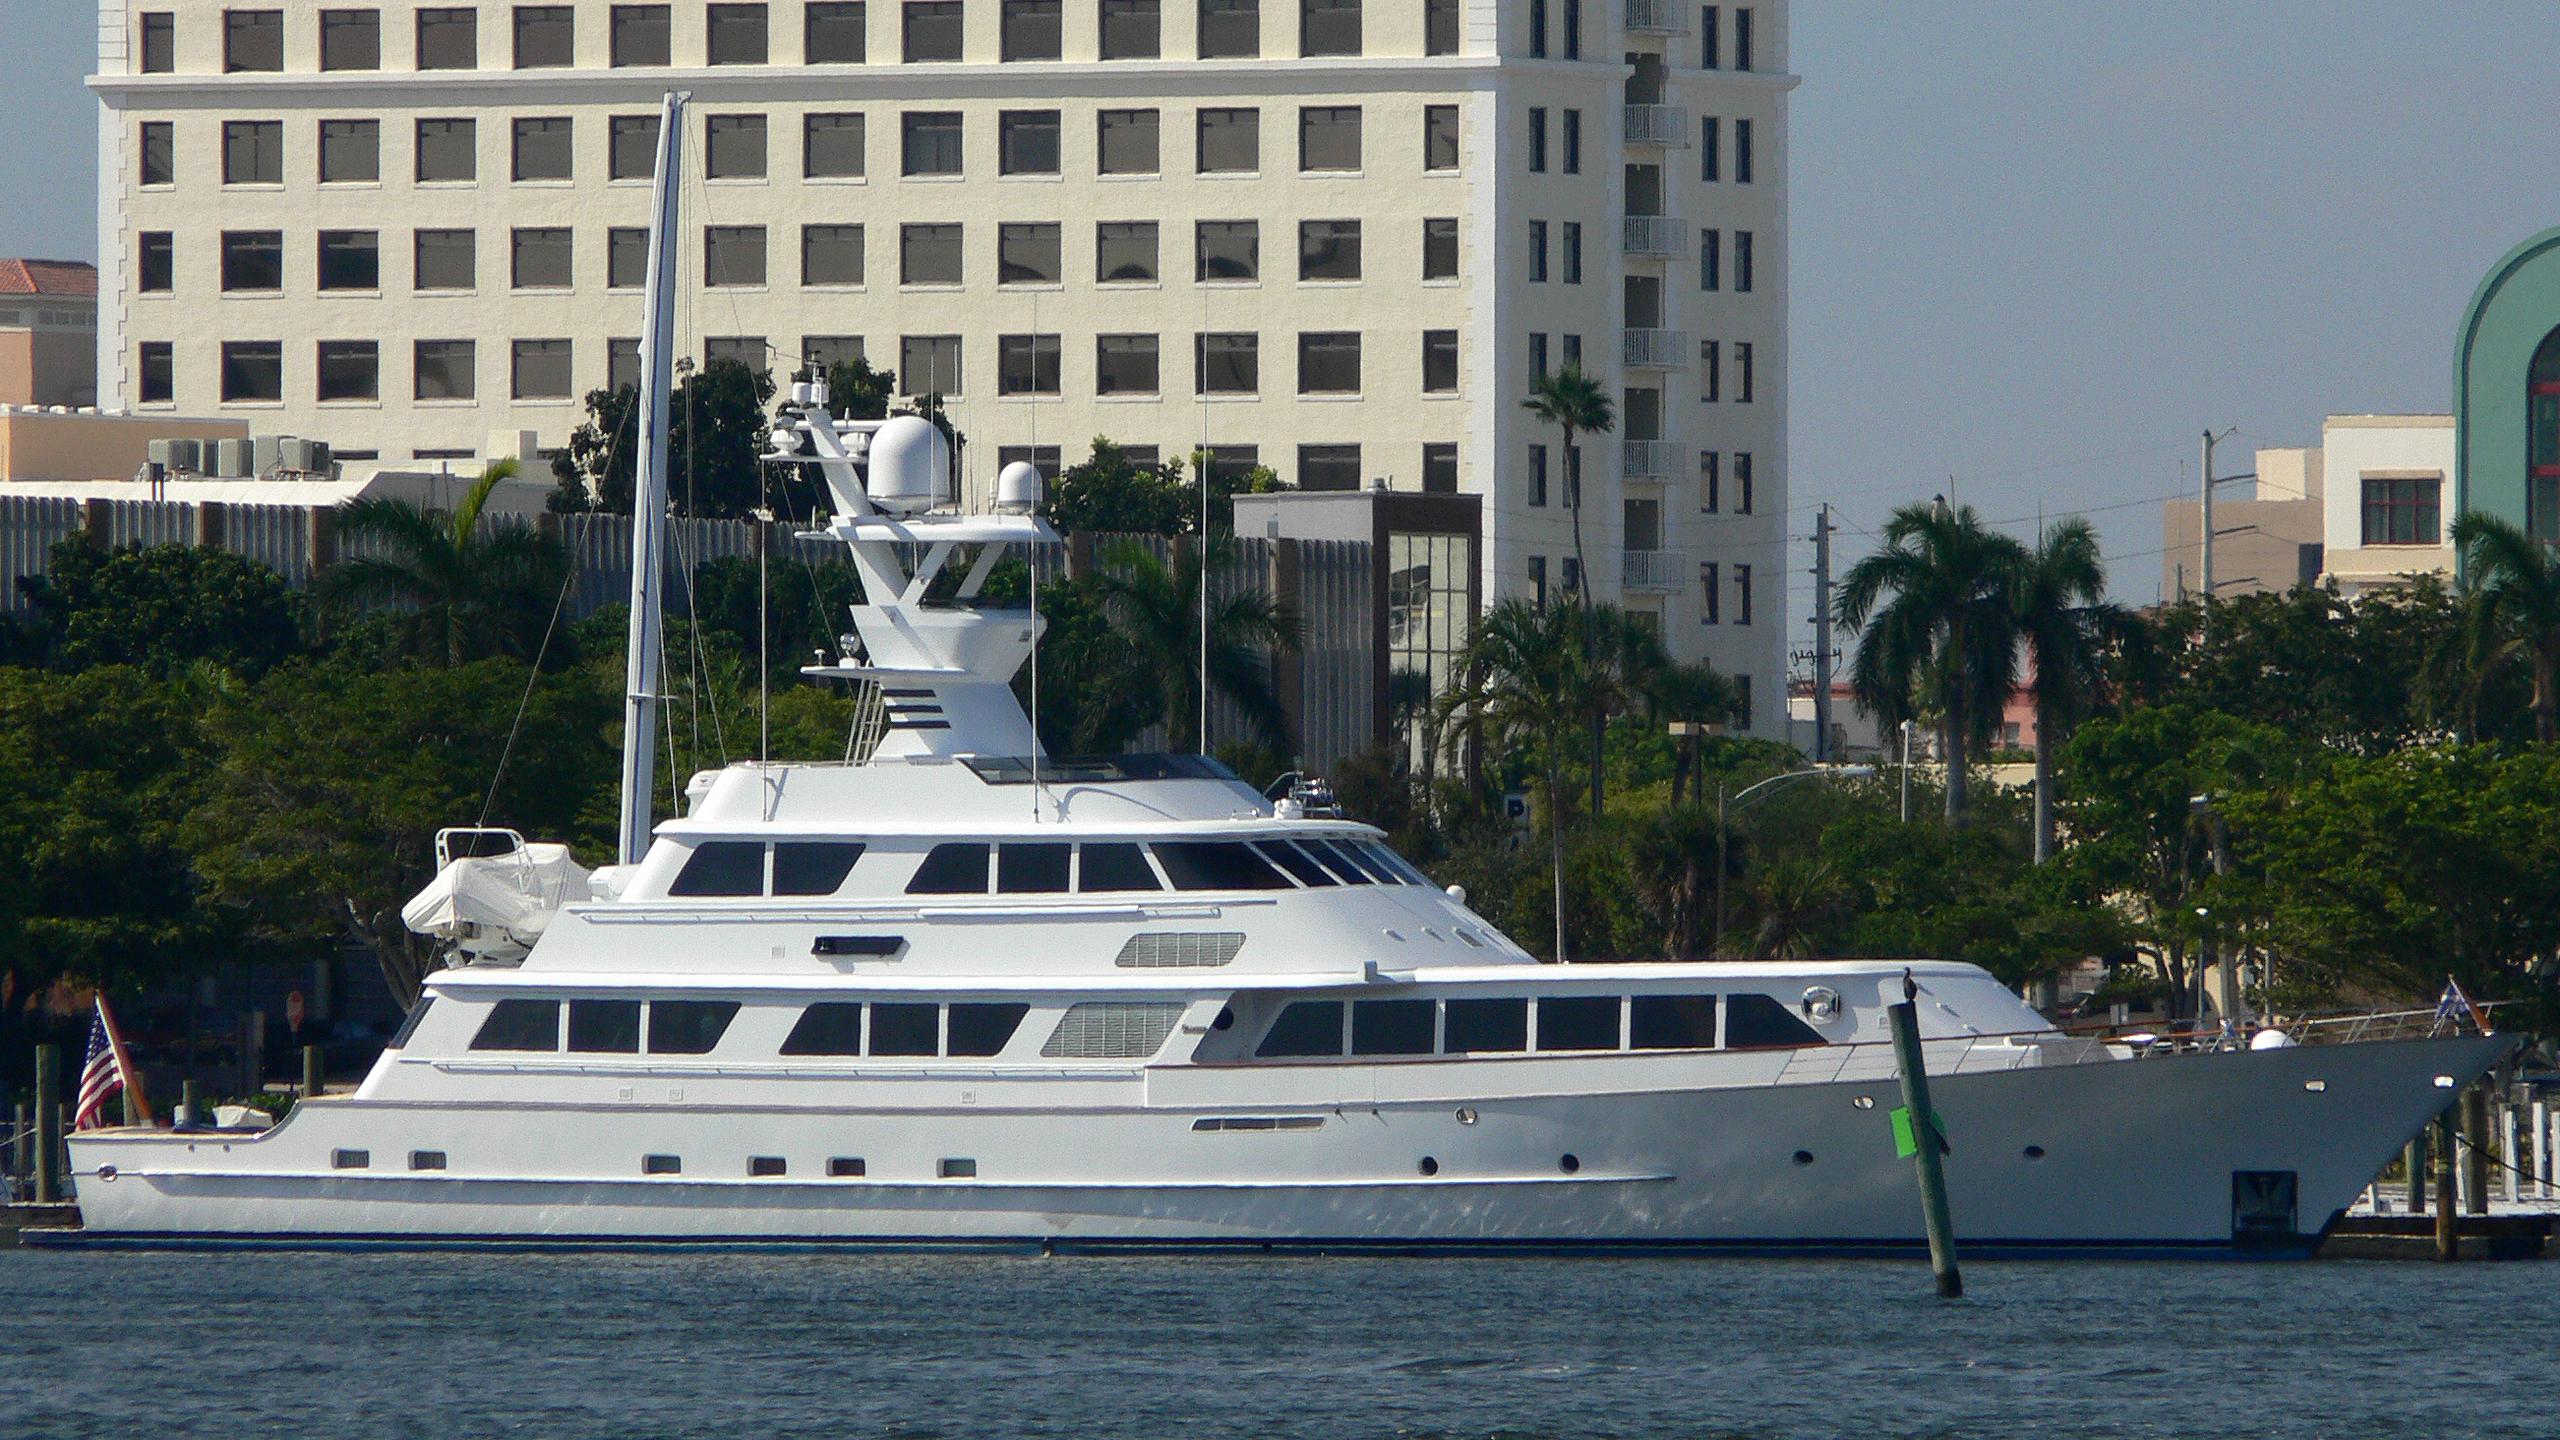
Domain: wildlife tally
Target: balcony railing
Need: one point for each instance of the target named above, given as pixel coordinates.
(1650, 459)
(1653, 571)
(1657, 125)
(1654, 237)
(1657, 349)
(1658, 17)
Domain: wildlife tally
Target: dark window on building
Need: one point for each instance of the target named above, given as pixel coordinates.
(350, 1159)
(1742, 262)
(1329, 137)
(733, 255)
(1230, 29)
(159, 42)
(1030, 30)
(1328, 27)
(933, 30)
(252, 40)
(1032, 869)
(1710, 259)
(813, 867)
(1741, 482)
(1391, 1027)
(350, 260)
(1671, 1022)
(1573, 142)
(631, 147)
(447, 369)
(982, 1028)
(1537, 475)
(1027, 142)
(540, 370)
(1305, 1027)
(1741, 37)
(1439, 27)
(350, 151)
(1741, 594)
(449, 39)
(1578, 1022)
(1710, 482)
(733, 147)
(1742, 352)
(1126, 365)
(1329, 467)
(1114, 868)
(952, 869)
(252, 152)
(1485, 1027)
(822, 353)
(605, 1026)
(1439, 361)
(929, 255)
(1708, 39)
(1439, 249)
(1572, 264)
(1230, 364)
(1710, 165)
(930, 364)
(737, 35)
(159, 152)
(686, 1027)
(252, 260)
(1124, 252)
(1131, 142)
(540, 258)
(520, 1025)
(1741, 152)
(1760, 1021)
(832, 32)
(1440, 137)
(156, 263)
(542, 148)
(349, 370)
(831, 254)
(932, 142)
(905, 1028)
(1132, 29)
(350, 39)
(448, 150)
(1328, 249)
(158, 372)
(2401, 510)
(444, 259)
(1230, 142)
(1572, 28)
(1227, 250)
(546, 36)
(1710, 371)
(1329, 362)
(827, 1028)
(1440, 469)
(1537, 139)
(831, 147)
(721, 867)
(1538, 260)
(640, 35)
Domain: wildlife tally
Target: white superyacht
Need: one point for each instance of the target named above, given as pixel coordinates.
(962, 993)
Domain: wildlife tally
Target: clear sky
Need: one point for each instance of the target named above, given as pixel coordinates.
(2039, 244)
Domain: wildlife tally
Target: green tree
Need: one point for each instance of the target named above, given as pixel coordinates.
(1937, 628)
(805, 607)
(161, 608)
(2511, 585)
(2071, 632)
(460, 590)
(1696, 696)
(1523, 691)
(716, 429)
(1109, 493)
(2364, 678)
(855, 391)
(1576, 404)
(1157, 608)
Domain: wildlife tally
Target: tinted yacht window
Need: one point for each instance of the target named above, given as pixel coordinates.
(1109, 868)
(1032, 869)
(983, 1029)
(1217, 865)
(905, 1029)
(1391, 1027)
(829, 1028)
(520, 1025)
(1486, 1027)
(1307, 1027)
(952, 870)
(1672, 1022)
(1323, 853)
(813, 867)
(722, 867)
(688, 1027)
(1294, 860)
(1757, 1021)
(606, 1026)
(1578, 1022)
(1393, 863)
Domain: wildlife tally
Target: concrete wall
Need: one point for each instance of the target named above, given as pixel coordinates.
(41, 446)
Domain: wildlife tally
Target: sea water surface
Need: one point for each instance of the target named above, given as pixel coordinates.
(236, 1343)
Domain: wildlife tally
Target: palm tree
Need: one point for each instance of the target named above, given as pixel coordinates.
(1576, 404)
(1622, 657)
(2512, 583)
(1799, 897)
(1697, 696)
(1157, 609)
(1409, 710)
(2069, 629)
(464, 592)
(1942, 645)
(1523, 688)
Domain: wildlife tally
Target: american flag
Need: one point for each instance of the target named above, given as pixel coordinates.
(104, 1073)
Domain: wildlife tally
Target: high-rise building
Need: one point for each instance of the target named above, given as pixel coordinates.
(1335, 238)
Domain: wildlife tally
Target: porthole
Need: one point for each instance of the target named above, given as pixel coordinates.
(1466, 1115)
(2034, 1152)
(1820, 1003)
(1226, 1021)
(1569, 1164)
(1429, 1166)
(106, 1172)
(1804, 1157)
(1862, 1102)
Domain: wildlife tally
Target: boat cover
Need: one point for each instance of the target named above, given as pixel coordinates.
(498, 904)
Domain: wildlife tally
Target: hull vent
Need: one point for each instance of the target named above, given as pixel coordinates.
(1112, 1030)
(1181, 950)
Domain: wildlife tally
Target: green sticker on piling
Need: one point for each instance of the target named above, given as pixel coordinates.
(1906, 1140)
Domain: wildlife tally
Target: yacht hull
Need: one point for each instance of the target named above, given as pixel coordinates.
(2245, 1153)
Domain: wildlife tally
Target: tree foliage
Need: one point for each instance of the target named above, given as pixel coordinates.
(456, 589)
(716, 429)
(160, 608)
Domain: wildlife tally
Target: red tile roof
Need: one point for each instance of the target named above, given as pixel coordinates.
(48, 277)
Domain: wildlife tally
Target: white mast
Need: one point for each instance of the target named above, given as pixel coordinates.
(649, 494)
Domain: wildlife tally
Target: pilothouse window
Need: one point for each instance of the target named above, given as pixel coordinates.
(1039, 869)
(1486, 1027)
(520, 1025)
(1672, 1022)
(959, 869)
(605, 1026)
(826, 1029)
(1756, 1021)
(1217, 865)
(905, 1029)
(1306, 1027)
(1114, 868)
(688, 1027)
(980, 1029)
(813, 867)
(1391, 1027)
(1578, 1022)
(721, 867)
(1294, 860)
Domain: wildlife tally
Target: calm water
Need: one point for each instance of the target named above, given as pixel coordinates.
(830, 1344)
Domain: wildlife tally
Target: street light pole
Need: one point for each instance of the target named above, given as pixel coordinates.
(1906, 772)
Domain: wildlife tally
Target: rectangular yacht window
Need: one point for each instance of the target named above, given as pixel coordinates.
(1335, 857)
(1217, 865)
(1307, 1027)
(1294, 860)
(1393, 863)
(1672, 1022)
(520, 1025)
(813, 867)
(958, 869)
(1351, 852)
(687, 1027)
(903, 1028)
(1485, 1027)
(829, 1028)
(1391, 1027)
(721, 867)
(1032, 869)
(1578, 1022)
(980, 1029)
(1108, 869)
(606, 1026)
(1759, 1022)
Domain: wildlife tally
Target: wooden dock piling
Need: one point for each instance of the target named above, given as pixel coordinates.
(48, 1124)
(2448, 1238)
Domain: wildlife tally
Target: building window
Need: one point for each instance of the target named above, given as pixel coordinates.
(539, 258)
(821, 353)
(1229, 364)
(1573, 351)
(156, 263)
(1027, 142)
(1125, 365)
(832, 32)
(1031, 30)
(1045, 459)
(448, 151)
(1741, 152)
(933, 31)
(350, 40)
(733, 147)
(1439, 249)
(1741, 594)
(631, 147)
(1329, 362)
(1742, 372)
(447, 369)
(1439, 362)
(159, 152)
(1030, 253)
(1440, 27)
(156, 372)
(1328, 250)
(640, 35)
(932, 142)
(159, 42)
(1741, 482)
(1124, 252)
(252, 40)
(1440, 469)
(2542, 442)
(1538, 580)
(830, 254)
(1709, 56)
(1710, 482)
(2401, 510)
(1742, 262)
(1329, 137)
(252, 260)
(732, 255)
(350, 260)
(350, 151)
(1538, 354)
(1573, 29)
(1328, 467)
(1573, 142)
(1572, 485)
(1130, 142)
(930, 364)
(1227, 250)
(1710, 259)
(928, 255)
(444, 259)
(1132, 29)
(1710, 163)
(1440, 137)
(1537, 139)
(737, 35)
(252, 371)
(449, 39)
(626, 257)
(1537, 252)
(1230, 142)
(350, 370)
(1328, 27)
(1573, 252)
(1026, 364)
(1710, 594)
(546, 37)
(542, 149)
(831, 147)
(1710, 371)
(747, 350)
(252, 152)
(1230, 29)
(1741, 37)
(540, 371)
(1538, 475)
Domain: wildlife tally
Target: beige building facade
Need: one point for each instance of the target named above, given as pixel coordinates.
(48, 333)
(1335, 238)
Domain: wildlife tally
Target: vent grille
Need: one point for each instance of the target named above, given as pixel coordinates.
(1180, 950)
(1112, 1030)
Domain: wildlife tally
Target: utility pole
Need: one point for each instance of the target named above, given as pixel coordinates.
(1822, 636)
(2204, 480)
